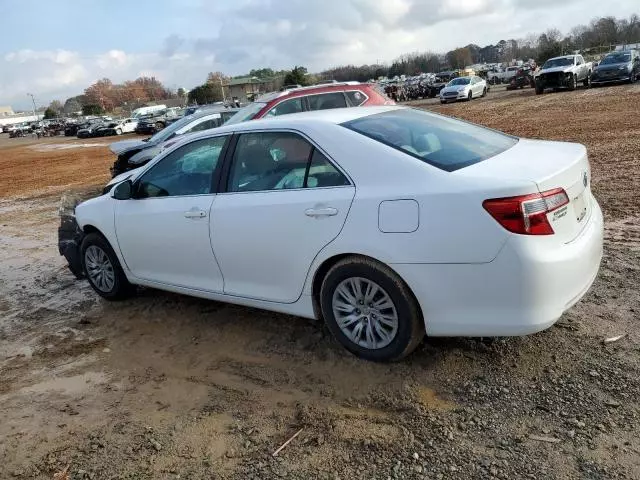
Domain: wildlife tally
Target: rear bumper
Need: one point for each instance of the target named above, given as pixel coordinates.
(524, 290)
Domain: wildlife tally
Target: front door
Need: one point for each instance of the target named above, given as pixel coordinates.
(163, 232)
(284, 202)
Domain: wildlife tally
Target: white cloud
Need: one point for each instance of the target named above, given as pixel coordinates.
(234, 36)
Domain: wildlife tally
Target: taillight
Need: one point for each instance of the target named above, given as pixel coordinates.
(527, 214)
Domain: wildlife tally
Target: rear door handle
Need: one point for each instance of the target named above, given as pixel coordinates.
(195, 213)
(321, 212)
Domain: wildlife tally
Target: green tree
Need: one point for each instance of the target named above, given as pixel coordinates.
(74, 104)
(207, 93)
(50, 113)
(297, 76)
(92, 109)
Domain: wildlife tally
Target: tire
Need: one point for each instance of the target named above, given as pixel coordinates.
(470, 96)
(159, 126)
(443, 101)
(573, 83)
(484, 92)
(633, 77)
(539, 89)
(118, 131)
(586, 83)
(404, 328)
(97, 255)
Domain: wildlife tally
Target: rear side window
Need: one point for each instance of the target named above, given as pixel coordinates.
(440, 141)
(293, 105)
(356, 98)
(325, 101)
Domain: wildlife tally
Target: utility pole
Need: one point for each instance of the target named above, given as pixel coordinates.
(222, 88)
(34, 105)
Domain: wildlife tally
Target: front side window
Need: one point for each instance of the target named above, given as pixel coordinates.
(186, 171)
(326, 101)
(293, 105)
(279, 161)
(443, 142)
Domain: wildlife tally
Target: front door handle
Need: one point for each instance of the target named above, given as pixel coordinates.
(321, 212)
(195, 213)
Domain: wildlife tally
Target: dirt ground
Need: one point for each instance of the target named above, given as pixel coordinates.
(165, 386)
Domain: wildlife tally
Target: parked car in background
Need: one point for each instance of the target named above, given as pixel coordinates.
(463, 88)
(135, 153)
(621, 66)
(142, 111)
(385, 222)
(125, 125)
(503, 76)
(563, 72)
(90, 128)
(522, 78)
(154, 122)
(71, 129)
(315, 97)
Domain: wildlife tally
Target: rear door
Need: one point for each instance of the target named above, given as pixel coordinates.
(284, 200)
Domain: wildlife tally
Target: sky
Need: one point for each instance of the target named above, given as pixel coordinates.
(55, 49)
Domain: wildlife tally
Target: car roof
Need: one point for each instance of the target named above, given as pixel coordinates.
(296, 120)
(309, 90)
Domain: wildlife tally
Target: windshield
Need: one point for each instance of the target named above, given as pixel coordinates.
(459, 81)
(246, 113)
(616, 58)
(558, 62)
(165, 133)
(440, 141)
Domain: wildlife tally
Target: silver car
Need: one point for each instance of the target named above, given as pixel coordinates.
(463, 88)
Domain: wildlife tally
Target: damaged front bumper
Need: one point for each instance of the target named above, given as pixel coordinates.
(70, 235)
(554, 80)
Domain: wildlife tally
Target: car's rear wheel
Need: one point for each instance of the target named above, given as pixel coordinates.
(118, 131)
(159, 126)
(370, 310)
(102, 268)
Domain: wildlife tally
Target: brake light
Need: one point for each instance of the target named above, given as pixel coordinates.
(527, 214)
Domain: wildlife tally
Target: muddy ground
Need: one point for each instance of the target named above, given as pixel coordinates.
(164, 386)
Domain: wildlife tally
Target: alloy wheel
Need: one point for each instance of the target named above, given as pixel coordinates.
(365, 313)
(99, 269)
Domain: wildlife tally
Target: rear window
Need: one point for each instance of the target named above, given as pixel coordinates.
(443, 142)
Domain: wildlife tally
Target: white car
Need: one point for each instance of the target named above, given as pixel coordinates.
(386, 222)
(126, 125)
(463, 88)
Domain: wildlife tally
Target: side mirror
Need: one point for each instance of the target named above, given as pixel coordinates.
(122, 191)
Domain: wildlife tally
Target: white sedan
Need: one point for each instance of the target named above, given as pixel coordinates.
(385, 222)
(463, 88)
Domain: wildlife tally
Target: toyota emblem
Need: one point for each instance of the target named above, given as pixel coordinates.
(585, 179)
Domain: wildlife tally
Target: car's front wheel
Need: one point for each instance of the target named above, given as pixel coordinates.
(370, 310)
(470, 96)
(102, 268)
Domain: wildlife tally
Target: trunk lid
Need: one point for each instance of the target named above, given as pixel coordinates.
(549, 165)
